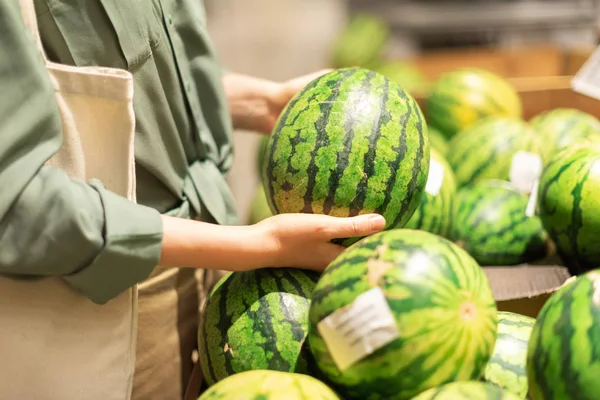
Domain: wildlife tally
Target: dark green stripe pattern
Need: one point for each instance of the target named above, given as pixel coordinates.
(491, 224)
(561, 127)
(466, 391)
(569, 204)
(269, 385)
(485, 149)
(352, 142)
(506, 368)
(563, 358)
(256, 320)
(436, 211)
(442, 303)
(461, 97)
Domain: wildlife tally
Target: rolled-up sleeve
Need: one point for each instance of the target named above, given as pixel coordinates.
(50, 225)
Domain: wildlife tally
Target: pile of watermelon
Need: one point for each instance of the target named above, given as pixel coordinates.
(408, 313)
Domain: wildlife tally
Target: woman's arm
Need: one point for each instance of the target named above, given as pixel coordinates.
(255, 104)
(287, 240)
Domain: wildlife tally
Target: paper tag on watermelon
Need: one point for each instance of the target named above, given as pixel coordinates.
(359, 329)
(435, 178)
(587, 80)
(525, 169)
(530, 210)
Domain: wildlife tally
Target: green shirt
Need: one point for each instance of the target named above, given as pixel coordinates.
(99, 242)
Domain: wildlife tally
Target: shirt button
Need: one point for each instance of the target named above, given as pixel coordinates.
(188, 86)
(170, 19)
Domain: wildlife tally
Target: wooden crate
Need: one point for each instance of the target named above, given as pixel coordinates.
(518, 62)
(541, 75)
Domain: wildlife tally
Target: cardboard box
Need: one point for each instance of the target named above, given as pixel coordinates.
(542, 77)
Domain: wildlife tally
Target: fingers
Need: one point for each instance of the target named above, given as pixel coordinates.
(362, 225)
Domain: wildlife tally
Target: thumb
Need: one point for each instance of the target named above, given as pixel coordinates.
(361, 225)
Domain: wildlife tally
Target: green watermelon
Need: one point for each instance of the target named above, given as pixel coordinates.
(262, 149)
(563, 357)
(491, 224)
(269, 385)
(256, 320)
(560, 127)
(259, 207)
(361, 42)
(352, 142)
(507, 365)
(463, 96)
(426, 297)
(436, 210)
(469, 390)
(569, 204)
(407, 75)
(437, 140)
(491, 148)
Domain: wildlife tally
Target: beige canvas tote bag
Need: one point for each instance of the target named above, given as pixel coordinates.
(55, 344)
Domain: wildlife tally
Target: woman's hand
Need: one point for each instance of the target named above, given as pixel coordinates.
(304, 240)
(255, 104)
(286, 240)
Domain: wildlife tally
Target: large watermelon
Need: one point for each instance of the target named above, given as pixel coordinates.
(560, 127)
(269, 385)
(361, 42)
(256, 320)
(461, 97)
(436, 210)
(259, 207)
(507, 365)
(262, 149)
(563, 358)
(351, 142)
(491, 224)
(420, 308)
(437, 140)
(466, 391)
(569, 204)
(491, 148)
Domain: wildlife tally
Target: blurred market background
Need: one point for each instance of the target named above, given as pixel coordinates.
(519, 39)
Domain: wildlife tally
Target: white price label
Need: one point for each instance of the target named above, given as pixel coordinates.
(435, 178)
(525, 169)
(530, 211)
(587, 79)
(359, 329)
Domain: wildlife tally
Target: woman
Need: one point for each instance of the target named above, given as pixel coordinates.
(80, 262)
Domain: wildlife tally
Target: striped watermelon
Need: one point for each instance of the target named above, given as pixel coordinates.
(491, 224)
(269, 385)
(437, 140)
(259, 207)
(436, 210)
(361, 42)
(351, 142)
(463, 96)
(486, 150)
(507, 365)
(466, 391)
(440, 313)
(262, 149)
(563, 358)
(560, 127)
(569, 204)
(256, 320)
